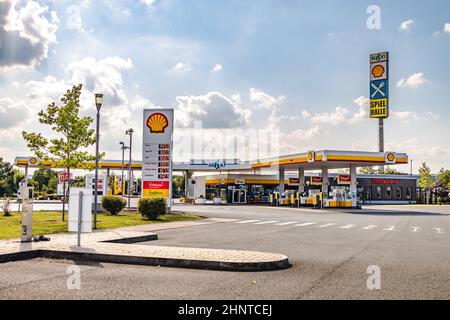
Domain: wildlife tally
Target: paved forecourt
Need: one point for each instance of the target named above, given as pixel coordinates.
(118, 246)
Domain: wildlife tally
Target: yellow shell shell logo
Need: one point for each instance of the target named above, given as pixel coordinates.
(310, 156)
(390, 157)
(33, 161)
(157, 123)
(378, 71)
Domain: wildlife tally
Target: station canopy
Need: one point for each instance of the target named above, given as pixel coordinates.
(312, 160)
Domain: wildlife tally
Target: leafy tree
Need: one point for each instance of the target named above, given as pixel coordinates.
(389, 170)
(8, 184)
(74, 135)
(43, 177)
(444, 178)
(368, 170)
(425, 178)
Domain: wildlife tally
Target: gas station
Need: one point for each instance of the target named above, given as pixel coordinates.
(304, 179)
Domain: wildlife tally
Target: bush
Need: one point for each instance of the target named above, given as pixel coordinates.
(150, 209)
(113, 204)
(7, 208)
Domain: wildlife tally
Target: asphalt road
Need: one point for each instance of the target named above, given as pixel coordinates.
(330, 252)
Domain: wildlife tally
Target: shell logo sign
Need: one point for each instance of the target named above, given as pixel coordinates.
(390, 157)
(157, 123)
(311, 156)
(378, 71)
(33, 161)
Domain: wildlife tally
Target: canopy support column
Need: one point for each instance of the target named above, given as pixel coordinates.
(325, 183)
(282, 175)
(353, 186)
(301, 180)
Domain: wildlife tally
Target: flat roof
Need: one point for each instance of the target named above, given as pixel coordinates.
(311, 160)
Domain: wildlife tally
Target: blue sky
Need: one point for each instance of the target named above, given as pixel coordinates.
(298, 66)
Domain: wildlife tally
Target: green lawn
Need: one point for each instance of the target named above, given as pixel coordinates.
(50, 222)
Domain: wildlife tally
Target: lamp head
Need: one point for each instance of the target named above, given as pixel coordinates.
(98, 101)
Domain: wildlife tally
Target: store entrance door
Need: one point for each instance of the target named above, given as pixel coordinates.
(239, 196)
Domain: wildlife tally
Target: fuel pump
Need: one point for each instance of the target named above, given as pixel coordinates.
(27, 214)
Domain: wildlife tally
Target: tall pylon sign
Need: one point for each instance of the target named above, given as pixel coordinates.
(379, 92)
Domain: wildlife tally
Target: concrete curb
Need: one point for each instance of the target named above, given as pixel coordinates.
(281, 264)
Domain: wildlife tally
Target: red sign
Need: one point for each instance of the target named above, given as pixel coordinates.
(344, 179)
(156, 185)
(384, 181)
(63, 177)
(316, 181)
(294, 180)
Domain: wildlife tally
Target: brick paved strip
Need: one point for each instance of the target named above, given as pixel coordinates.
(108, 247)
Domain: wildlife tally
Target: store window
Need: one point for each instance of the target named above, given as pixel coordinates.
(368, 193)
(398, 192)
(389, 192)
(379, 192)
(409, 193)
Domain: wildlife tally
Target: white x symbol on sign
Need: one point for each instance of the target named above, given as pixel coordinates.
(378, 89)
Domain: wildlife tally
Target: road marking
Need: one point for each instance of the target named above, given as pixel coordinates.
(326, 225)
(349, 226)
(370, 227)
(306, 224)
(286, 223)
(438, 230)
(248, 221)
(416, 229)
(266, 222)
(392, 228)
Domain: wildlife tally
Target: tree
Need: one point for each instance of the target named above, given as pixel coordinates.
(43, 177)
(367, 170)
(425, 178)
(8, 184)
(444, 178)
(73, 134)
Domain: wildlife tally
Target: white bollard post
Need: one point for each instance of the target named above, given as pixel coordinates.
(27, 214)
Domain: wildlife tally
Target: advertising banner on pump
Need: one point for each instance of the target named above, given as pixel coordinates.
(157, 154)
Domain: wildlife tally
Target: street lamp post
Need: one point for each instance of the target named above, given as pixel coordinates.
(98, 104)
(130, 172)
(123, 165)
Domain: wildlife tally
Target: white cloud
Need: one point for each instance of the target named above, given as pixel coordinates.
(12, 113)
(214, 110)
(406, 25)
(27, 33)
(306, 114)
(339, 115)
(447, 27)
(149, 3)
(181, 67)
(217, 68)
(263, 99)
(103, 76)
(413, 81)
(407, 116)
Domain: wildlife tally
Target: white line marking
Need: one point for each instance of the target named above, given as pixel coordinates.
(248, 221)
(266, 222)
(349, 226)
(370, 227)
(286, 223)
(306, 224)
(416, 229)
(392, 228)
(438, 230)
(326, 225)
